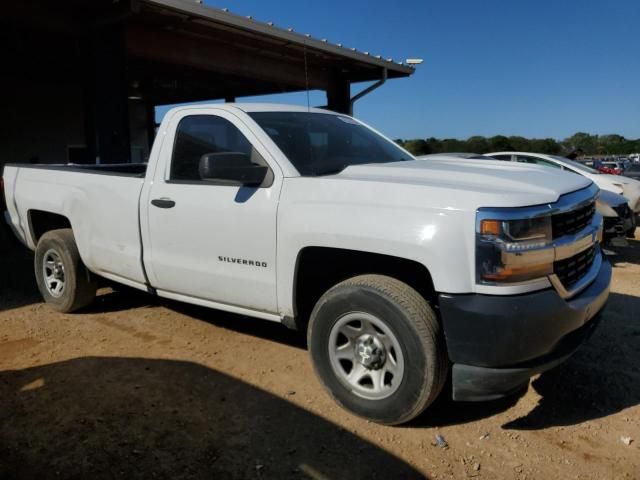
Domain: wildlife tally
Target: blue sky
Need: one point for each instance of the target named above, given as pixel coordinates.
(537, 68)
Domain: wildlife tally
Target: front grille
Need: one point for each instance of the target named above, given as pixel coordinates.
(572, 269)
(572, 222)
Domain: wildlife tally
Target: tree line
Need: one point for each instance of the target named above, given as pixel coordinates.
(585, 143)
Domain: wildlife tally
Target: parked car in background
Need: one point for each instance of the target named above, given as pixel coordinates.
(619, 220)
(625, 186)
(613, 168)
(450, 155)
(633, 171)
(604, 169)
(626, 162)
(596, 164)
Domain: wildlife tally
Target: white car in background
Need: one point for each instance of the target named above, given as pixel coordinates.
(627, 187)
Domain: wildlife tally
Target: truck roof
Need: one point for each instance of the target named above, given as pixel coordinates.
(255, 107)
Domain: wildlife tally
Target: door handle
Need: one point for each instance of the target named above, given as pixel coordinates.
(163, 203)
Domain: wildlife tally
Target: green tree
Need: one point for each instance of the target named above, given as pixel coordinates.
(499, 143)
(615, 144)
(477, 144)
(519, 144)
(581, 141)
(417, 147)
(611, 144)
(451, 145)
(544, 145)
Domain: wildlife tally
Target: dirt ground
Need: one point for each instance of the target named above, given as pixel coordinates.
(141, 388)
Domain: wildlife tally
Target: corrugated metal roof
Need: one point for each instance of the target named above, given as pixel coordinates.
(224, 17)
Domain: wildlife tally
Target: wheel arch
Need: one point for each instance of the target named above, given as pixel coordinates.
(41, 222)
(317, 269)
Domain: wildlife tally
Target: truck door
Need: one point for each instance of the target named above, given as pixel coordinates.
(211, 239)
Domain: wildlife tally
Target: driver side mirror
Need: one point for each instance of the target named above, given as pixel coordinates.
(233, 167)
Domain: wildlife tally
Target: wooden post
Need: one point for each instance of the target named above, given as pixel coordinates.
(339, 95)
(110, 96)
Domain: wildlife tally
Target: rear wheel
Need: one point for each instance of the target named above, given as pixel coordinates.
(63, 280)
(377, 347)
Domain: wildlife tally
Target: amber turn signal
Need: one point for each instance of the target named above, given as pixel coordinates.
(490, 227)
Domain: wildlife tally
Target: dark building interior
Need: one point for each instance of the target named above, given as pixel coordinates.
(81, 78)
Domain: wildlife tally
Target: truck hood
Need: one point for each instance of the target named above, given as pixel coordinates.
(473, 183)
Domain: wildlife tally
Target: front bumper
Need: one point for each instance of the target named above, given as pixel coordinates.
(497, 343)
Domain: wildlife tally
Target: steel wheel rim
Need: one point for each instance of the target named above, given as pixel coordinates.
(53, 273)
(366, 356)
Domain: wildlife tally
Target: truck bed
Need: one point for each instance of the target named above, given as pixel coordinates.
(120, 169)
(100, 202)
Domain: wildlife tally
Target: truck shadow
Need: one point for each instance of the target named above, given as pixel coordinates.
(122, 299)
(445, 412)
(141, 418)
(601, 379)
(119, 299)
(17, 282)
(18, 289)
(262, 329)
(18, 286)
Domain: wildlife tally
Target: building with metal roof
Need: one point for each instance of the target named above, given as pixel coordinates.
(81, 79)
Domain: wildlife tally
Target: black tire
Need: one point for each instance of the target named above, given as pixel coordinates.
(79, 286)
(414, 324)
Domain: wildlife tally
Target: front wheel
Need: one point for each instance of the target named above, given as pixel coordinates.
(377, 347)
(63, 280)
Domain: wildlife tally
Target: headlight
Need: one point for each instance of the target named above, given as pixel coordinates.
(513, 251)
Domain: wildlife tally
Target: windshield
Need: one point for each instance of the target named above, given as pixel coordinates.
(577, 165)
(323, 143)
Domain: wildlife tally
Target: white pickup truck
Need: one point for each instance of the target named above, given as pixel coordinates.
(399, 271)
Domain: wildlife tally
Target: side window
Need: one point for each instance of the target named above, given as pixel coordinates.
(538, 161)
(198, 135)
(502, 157)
